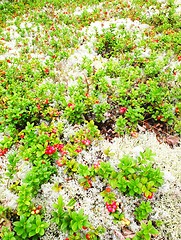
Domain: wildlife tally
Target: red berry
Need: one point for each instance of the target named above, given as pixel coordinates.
(46, 70)
(96, 165)
(71, 105)
(176, 110)
(64, 152)
(90, 183)
(150, 196)
(38, 106)
(59, 146)
(78, 150)
(108, 189)
(179, 58)
(159, 117)
(85, 228)
(59, 162)
(87, 236)
(122, 110)
(46, 101)
(86, 142)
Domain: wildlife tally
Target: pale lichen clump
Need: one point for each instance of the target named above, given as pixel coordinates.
(166, 201)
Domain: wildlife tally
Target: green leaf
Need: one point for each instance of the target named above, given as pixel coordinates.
(144, 180)
(42, 232)
(19, 230)
(39, 146)
(27, 203)
(32, 233)
(24, 235)
(60, 202)
(37, 230)
(46, 224)
(153, 189)
(39, 153)
(28, 225)
(147, 236)
(38, 220)
(150, 184)
(64, 226)
(154, 231)
(75, 227)
(80, 225)
(17, 224)
(71, 202)
(113, 183)
(131, 170)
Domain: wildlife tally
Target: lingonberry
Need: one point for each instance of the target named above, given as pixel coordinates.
(159, 117)
(46, 70)
(59, 162)
(84, 228)
(108, 189)
(50, 150)
(71, 105)
(59, 147)
(86, 142)
(150, 196)
(63, 152)
(176, 110)
(3, 151)
(122, 110)
(46, 101)
(78, 149)
(90, 183)
(111, 207)
(96, 165)
(87, 236)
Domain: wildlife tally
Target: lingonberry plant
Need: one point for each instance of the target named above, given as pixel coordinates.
(143, 211)
(74, 78)
(68, 220)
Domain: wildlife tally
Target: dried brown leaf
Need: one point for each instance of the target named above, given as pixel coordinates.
(127, 233)
(172, 140)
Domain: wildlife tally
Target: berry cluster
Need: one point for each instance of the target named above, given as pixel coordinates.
(111, 207)
(3, 151)
(36, 210)
(50, 150)
(86, 142)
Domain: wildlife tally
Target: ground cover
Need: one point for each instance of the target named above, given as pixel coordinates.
(90, 119)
